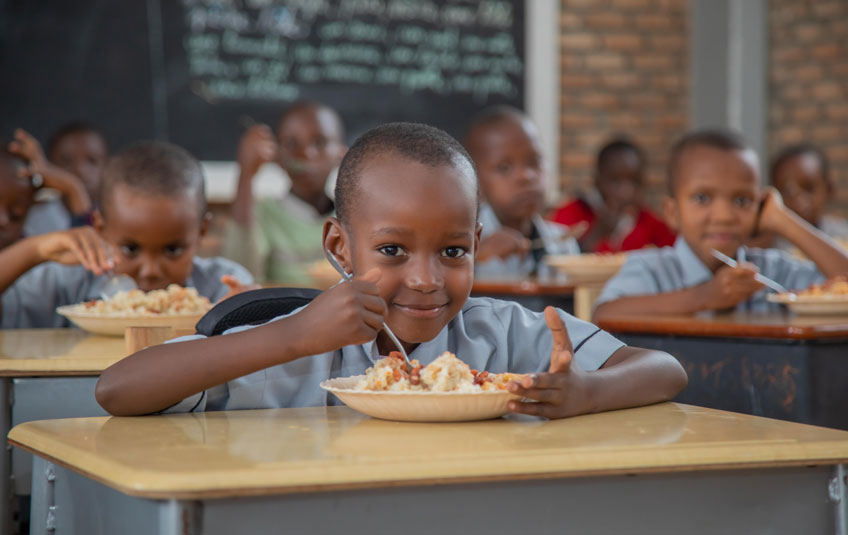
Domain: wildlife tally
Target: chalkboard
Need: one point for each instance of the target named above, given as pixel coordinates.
(198, 72)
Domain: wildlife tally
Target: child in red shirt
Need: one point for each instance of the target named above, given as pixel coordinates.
(617, 218)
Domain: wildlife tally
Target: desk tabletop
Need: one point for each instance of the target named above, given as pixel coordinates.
(242, 453)
(771, 323)
(529, 287)
(39, 352)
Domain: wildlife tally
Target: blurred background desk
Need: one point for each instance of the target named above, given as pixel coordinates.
(46, 373)
(668, 468)
(767, 363)
(530, 293)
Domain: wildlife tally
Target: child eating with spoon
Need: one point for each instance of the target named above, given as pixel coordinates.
(407, 229)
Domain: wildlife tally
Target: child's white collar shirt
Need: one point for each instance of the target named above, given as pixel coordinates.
(487, 334)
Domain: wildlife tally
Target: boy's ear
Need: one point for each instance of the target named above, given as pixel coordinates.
(671, 213)
(337, 242)
(477, 234)
(97, 220)
(205, 223)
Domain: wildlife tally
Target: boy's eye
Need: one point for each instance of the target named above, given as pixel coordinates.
(503, 168)
(454, 252)
(174, 250)
(391, 250)
(701, 198)
(129, 249)
(743, 202)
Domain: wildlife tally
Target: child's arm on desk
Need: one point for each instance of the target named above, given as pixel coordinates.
(76, 246)
(631, 377)
(160, 376)
(728, 287)
(829, 257)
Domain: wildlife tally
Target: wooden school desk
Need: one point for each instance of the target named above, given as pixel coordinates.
(530, 293)
(767, 363)
(666, 468)
(46, 373)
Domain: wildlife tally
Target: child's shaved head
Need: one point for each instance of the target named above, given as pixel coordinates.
(487, 118)
(154, 168)
(725, 140)
(417, 142)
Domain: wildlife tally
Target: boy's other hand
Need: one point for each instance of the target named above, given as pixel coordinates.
(729, 287)
(258, 146)
(502, 244)
(772, 213)
(80, 245)
(561, 392)
(349, 313)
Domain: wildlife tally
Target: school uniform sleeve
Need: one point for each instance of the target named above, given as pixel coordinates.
(529, 342)
(636, 277)
(30, 303)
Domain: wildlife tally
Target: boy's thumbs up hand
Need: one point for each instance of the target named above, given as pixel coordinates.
(563, 390)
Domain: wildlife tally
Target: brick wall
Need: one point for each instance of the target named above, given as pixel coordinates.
(624, 66)
(808, 80)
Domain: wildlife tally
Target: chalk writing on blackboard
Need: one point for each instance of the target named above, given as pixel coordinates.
(271, 51)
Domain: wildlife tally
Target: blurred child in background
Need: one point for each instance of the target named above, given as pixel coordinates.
(617, 217)
(277, 238)
(717, 203)
(151, 217)
(504, 145)
(801, 173)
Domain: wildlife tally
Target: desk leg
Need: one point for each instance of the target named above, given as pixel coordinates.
(839, 495)
(6, 461)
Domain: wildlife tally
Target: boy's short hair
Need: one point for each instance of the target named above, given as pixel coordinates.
(616, 146)
(70, 128)
(420, 143)
(306, 104)
(787, 153)
(154, 168)
(717, 138)
(491, 116)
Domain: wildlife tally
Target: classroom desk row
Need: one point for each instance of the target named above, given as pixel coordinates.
(667, 468)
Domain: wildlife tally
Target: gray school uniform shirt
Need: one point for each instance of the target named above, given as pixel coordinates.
(32, 300)
(653, 271)
(518, 266)
(487, 334)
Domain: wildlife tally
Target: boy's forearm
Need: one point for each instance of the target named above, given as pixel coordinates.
(74, 195)
(633, 377)
(829, 257)
(17, 259)
(243, 204)
(160, 376)
(686, 301)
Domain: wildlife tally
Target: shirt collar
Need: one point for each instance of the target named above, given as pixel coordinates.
(694, 271)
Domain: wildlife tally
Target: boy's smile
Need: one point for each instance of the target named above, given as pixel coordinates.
(716, 200)
(154, 236)
(417, 224)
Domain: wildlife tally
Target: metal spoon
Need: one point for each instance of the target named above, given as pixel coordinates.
(116, 283)
(348, 276)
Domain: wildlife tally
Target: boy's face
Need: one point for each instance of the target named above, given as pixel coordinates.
(15, 200)
(418, 225)
(619, 181)
(84, 154)
(310, 147)
(154, 237)
(716, 200)
(801, 182)
(509, 167)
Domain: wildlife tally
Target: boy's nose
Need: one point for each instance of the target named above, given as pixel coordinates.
(150, 268)
(722, 210)
(425, 276)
